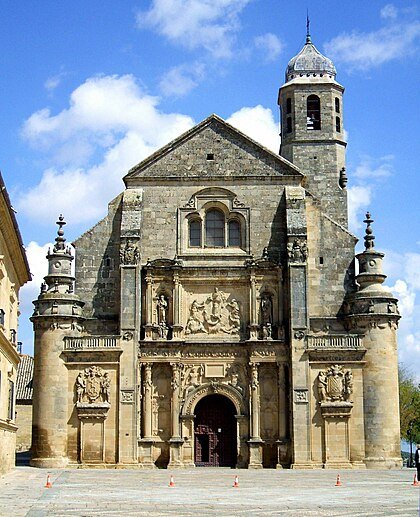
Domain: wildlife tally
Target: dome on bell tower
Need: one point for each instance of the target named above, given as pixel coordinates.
(308, 62)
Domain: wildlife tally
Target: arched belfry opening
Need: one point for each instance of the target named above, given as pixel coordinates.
(215, 434)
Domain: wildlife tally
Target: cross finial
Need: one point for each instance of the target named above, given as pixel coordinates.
(369, 237)
(308, 36)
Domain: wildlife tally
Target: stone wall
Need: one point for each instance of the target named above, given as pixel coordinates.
(8, 447)
(24, 423)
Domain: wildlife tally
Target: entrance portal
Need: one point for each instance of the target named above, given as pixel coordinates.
(215, 432)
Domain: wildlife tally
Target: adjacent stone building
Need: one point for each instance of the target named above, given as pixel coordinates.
(14, 272)
(24, 393)
(216, 318)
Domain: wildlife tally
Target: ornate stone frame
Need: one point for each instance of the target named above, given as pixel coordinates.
(196, 207)
(187, 415)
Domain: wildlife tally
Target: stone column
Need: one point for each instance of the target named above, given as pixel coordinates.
(149, 306)
(146, 443)
(50, 412)
(176, 441)
(283, 416)
(253, 324)
(177, 327)
(255, 443)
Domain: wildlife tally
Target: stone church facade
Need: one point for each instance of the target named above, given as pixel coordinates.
(215, 317)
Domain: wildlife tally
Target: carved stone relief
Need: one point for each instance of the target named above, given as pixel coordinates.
(335, 384)
(129, 253)
(215, 315)
(93, 386)
(297, 250)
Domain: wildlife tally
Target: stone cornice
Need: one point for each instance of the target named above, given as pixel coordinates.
(10, 230)
(9, 349)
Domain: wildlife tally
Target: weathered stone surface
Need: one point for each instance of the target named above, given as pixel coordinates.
(222, 283)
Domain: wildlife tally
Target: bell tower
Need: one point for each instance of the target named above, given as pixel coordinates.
(312, 134)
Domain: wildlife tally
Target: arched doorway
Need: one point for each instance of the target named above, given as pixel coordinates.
(215, 432)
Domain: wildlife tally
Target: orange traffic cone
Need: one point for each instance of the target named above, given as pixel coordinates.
(415, 482)
(48, 483)
(236, 482)
(172, 482)
(338, 482)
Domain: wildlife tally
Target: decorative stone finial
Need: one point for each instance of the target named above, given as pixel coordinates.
(60, 239)
(308, 36)
(343, 178)
(369, 237)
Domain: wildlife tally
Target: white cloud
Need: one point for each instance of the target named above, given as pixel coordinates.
(54, 81)
(208, 24)
(270, 44)
(363, 178)
(180, 80)
(258, 123)
(359, 198)
(382, 168)
(389, 11)
(369, 49)
(38, 267)
(109, 126)
(404, 270)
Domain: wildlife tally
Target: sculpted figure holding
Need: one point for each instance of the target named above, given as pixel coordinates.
(322, 386)
(106, 387)
(162, 309)
(80, 387)
(194, 323)
(235, 316)
(266, 309)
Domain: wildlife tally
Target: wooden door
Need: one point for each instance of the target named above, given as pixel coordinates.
(215, 432)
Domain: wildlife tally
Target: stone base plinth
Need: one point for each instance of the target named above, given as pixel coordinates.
(255, 453)
(49, 463)
(383, 463)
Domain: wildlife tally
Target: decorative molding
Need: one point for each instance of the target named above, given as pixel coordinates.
(301, 395)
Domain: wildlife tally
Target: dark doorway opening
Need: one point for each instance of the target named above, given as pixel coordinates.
(215, 432)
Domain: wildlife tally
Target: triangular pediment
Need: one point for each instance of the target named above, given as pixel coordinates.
(213, 149)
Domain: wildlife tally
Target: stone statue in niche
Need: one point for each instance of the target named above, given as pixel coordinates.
(93, 386)
(266, 311)
(297, 250)
(129, 253)
(215, 315)
(162, 309)
(335, 384)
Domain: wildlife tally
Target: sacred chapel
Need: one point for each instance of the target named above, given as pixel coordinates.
(216, 316)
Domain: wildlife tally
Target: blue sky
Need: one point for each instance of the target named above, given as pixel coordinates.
(91, 88)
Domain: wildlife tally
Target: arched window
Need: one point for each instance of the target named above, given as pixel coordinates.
(338, 124)
(234, 233)
(195, 233)
(313, 113)
(289, 126)
(337, 105)
(215, 228)
(288, 105)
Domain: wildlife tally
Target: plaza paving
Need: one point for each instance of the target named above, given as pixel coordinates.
(205, 491)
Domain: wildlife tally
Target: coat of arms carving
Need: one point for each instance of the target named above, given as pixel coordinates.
(93, 386)
(335, 384)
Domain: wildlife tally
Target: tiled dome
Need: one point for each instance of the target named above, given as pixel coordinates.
(309, 61)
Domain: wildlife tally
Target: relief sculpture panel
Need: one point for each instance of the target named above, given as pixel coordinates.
(214, 313)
